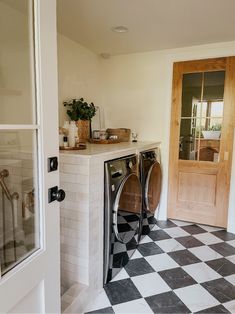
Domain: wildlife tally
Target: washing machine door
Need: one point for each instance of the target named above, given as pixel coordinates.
(153, 187)
(127, 209)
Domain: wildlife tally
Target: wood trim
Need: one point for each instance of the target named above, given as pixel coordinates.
(214, 64)
(227, 132)
(174, 131)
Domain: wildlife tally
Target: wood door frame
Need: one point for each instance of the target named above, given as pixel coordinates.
(194, 66)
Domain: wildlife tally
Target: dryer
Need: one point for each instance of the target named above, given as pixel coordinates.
(151, 181)
(122, 212)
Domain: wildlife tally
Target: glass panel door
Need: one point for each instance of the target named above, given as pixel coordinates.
(201, 116)
(19, 195)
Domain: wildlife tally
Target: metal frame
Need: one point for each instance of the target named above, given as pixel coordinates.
(147, 186)
(116, 204)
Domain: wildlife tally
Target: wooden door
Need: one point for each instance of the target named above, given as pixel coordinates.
(203, 99)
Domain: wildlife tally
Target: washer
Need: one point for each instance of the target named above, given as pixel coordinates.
(151, 181)
(122, 213)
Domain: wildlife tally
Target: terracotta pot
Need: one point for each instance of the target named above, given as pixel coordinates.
(83, 130)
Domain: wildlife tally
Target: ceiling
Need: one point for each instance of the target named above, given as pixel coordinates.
(153, 24)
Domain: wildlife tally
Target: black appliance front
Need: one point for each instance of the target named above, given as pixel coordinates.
(123, 205)
(151, 180)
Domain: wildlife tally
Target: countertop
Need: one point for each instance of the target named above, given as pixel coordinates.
(106, 149)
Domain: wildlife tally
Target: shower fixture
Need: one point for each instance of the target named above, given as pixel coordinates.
(11, 197)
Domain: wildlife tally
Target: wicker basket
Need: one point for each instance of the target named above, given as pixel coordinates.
(123, 134)
(83, 130)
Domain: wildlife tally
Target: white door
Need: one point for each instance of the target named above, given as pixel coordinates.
(29, 226)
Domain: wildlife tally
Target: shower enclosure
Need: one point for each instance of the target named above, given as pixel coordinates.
(17, 227)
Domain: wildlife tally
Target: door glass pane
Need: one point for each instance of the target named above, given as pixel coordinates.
(210, 140)
(129, 209)
(213, 89)
(17, 90)
(19, 204)
(202, 116)
(187, 139)
(191, 92)
(154, 188)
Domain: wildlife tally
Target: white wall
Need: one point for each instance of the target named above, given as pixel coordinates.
(16, 75)
(134, 90)
(78, 74)
(138, 95)
(16, 69)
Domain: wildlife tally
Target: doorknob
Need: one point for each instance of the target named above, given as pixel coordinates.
(54, 194)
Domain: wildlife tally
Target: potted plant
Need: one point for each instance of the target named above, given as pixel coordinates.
(81, 112)
(213, 133)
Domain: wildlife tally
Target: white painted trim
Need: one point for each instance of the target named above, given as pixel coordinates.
(19, 126)
(39, 114)
(24, 262)
(47, 96)
(33, 58)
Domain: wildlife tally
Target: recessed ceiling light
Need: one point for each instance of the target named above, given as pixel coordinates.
(105, 55)
(120, 29)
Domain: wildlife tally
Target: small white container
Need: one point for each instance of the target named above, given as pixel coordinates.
(72, 133)
(103, 134)
(66, 127)
(211, 135)
(61, 139)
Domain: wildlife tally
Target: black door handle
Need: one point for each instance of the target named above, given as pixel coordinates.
(54, 194)
(60, 196)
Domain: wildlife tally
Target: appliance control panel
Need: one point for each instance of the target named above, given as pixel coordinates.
(149, 155)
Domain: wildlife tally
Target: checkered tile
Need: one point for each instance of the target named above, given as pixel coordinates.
(178, 268)
(120, 252)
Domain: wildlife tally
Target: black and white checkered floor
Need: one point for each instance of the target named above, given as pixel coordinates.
(179, 268)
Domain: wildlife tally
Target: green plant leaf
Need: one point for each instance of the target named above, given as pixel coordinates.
(80, 109)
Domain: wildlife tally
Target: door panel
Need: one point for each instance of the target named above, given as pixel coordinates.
(127, 208)
(153, 187)
(29, 135)
(200, 166)
(204, 188)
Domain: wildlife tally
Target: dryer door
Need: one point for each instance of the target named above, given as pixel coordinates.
(153, 187)
(127, 208)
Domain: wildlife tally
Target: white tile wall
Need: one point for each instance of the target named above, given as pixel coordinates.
(74, 179)
(82, 178)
